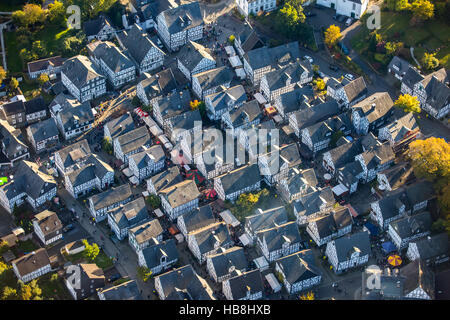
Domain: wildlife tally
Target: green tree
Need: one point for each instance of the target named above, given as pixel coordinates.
(231, 39)
(408, 103)
(13, 84)
(30, 291)
(29, 15)
(43, 78)
(107, 146)
(154, 201)
(422, 9)
(2, 74)
(289, 19)
(92, 250)
(144, 273)
(38, 48)
(332, 35)
(393, 47)
(430, 61)
(3, 247)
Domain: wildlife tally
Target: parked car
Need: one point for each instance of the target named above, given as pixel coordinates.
(334, 67)
(343, 48)
(114, 277)
(341, 18)
(349, 76)
(348, 22)
(308, 58)
(68, 228)
(336, 16)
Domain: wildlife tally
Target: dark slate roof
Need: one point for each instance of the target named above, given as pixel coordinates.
(401, 126)
(418, 275)
(167, 178)
(35, 105)
(125, 291)
(297, 99)
(153, 154)
(214, 77)
(249, 110)
(198, 219)
(111, 196)
(44, 129)
(299, 179)
(74, 152)
(13, 107)
(174, 104)
(292, 72)
(80, 70)
(192, 54)
(398, 175)
(120, 125)
(333, 222)
(227, 261)
(212, 237)
(266, 219)
(80, 114)
(146, 231)
(249, 39)
(153, 254)
(278, 235)
(184, 283)
(187, 120)
(186, 16)
(161, 83)
(311, 202)
(250, 282)
(320, 112)
(130, 214)
(401, 65)
(110, 55)
(325, 129)
(137, 43)
(262, 57)
(93, 27)
(235, 95)
(411, 77)
(408, 226)
(32, 261)
(350, 243)
(134, 139)
(299, 266)
(180, 193)
(419, 192)
(432, 246)
(240, 178)
(375, 106)
(442, 285)
(29, 179)
(391, 203)
(11, 139)
(350, 171)
(355, 89)
(378, 155)
(437, 88)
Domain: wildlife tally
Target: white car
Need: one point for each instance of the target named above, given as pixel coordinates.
(308, 58)
(349, 76)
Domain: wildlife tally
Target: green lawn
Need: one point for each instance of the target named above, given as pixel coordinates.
(12, 53)
(432, 36)
(103, 261)
(53, 289)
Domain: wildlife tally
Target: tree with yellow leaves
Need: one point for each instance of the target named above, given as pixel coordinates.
(308, 296)
(430, 158)
(408, 103)
(332, 35)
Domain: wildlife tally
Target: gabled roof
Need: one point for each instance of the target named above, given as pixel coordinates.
(374, 107)
(280, 234)
(43, 64)
(227, 261)
(248, 111)
(184, 283)
(296, 180)
(44, 129)
(93, 27)
(187, 120)
(348, 244)
(80, 114)
(48, 222)
(212, 237)
(198, 219)
(12, 139)
(154, 154)
(110, 55)
(154, 253)
(174, 104)
(378, 155)
(161, 83)
(74, 153)
(246, 283)
(124, 291)
(314, 114)
(130, 214)
(233, 95)
(240, 178)
(345, 153)
(111, 196)
(186, 16)
(322, 130)
(311, 202)
(120, 125)
(80, 70)
(32, 262)
(409, 226)
(288, 74)
(264, 56)
(299, 266)
(432, 246)
(412, 77)
(398, 175)
(193, 53)
(180, 193)
(399, 66)
(355, 89)
(297, 99)
(267, 219)
(137, 43)
(437, 88)
(249, 39)
(214, 77)
(134, 139)
(167, 178)
(146, 231)
(418, 275)
(401, 126)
